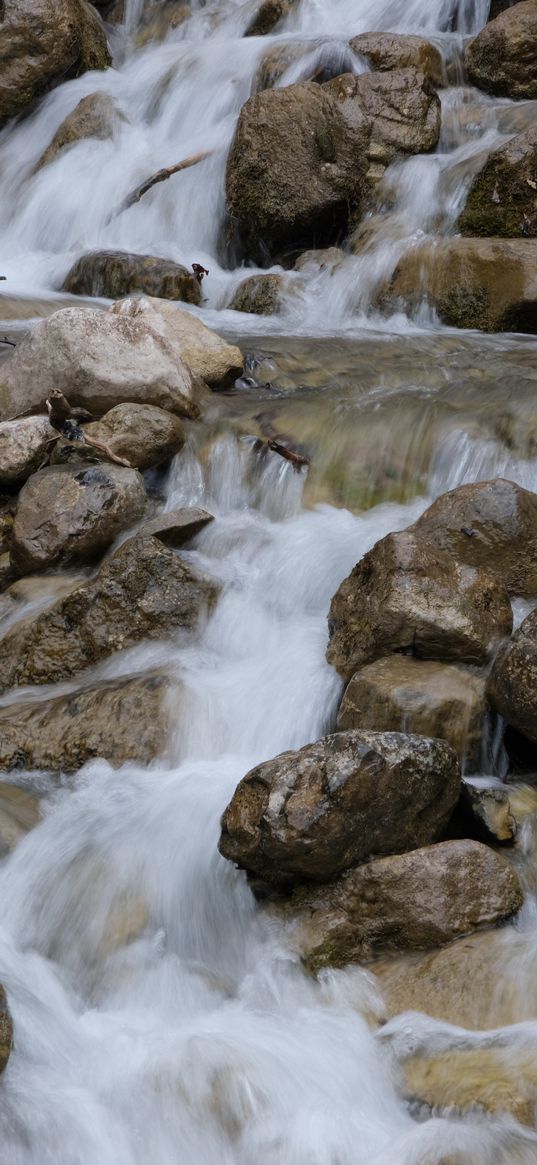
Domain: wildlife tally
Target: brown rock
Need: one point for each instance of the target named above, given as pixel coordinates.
(175, 527)
(512, 687)
(268, 16)
(205, 353)
(159, 19)
(144, 434)
(113, 274)
(495, 1079)
(502, 199)
(6, 1030)
(502, 59)
(96, 116)
(319, 62)
(489, 809)
(260, 294)
(24, 445)
(386, 51)
(19, 812)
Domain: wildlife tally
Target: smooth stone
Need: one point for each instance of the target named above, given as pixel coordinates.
(24, 444)
(512, 686)
(114, 274)
(205, 352)
(502, 58)
(95, 116)
(175, 527)
(144, 434)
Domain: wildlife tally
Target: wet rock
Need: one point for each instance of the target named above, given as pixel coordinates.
(113, 274)
(313, 813)
(144, 434)
(268, 16)
(494, 1079)
(502, 58)
(96, 116)
(24, 444)
(260, 294)
(488, 807)
(313, 61)
(411, 901)
(205, 352)
(512, 688)
(401, 694)
(127, 720)
(6, 1030)
(43, 43)
(19, 813)
(99, 359)
(144, 591)
(73, 514)
(386, 51)
(276, 61)
(407, 596)
(175, 527)
(324, 258)
(158, 20)
(502, 199)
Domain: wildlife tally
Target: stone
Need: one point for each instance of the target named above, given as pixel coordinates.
(71, 514)
(24, 445)
(260, 294)
(405, 902)
(502, 200)
(206, 354)
(142, 592)
(488, 808)
(268, 16)
(407, 596)
(489, 524)
(313, 813)
(19, 813)
(95, 116)
(6, 1030)
(99, 359)
(175, 527)
(318, 61)
(385, 51)
(402, 694)
(499, 1081)
(502, 58)
(324, 259)
(113, 274)
(144, 434)
(159, 19)
(512, 687)
(121, 721)
(45, 42)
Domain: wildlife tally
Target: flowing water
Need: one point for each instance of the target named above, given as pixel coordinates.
(159, 1014)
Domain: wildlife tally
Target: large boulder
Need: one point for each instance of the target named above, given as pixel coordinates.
(313, 813)
(204, 351)
(512, 688)
(401, 694)
(72, 514)
(410, 902)
(6, 1030)
(385, 51)
(113, 274)
(44, 42)
(490, 524)
(144, 434)
(95, 116)
(24, 445)
(405, 595)
(502, 199)
(502, 58)
(99, 359)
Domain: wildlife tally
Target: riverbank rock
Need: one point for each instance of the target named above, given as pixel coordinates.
(144, 591)
(407, 902)
(113, 274)
(512, 688)
(175, 527)
(502, 58)
(96, 116)
(312, 813)
(126, 720)
(502, 199)
(24, 444)
(205, 353)
(407, 595)
(144, 434)
(260, 294)
(99, 359)
(45, 42)
(385, 51)
(401, 694)
(6, 1030)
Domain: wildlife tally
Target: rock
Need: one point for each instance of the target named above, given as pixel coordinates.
(72, 514)
(98, 359)
(325, 259)
(96, 116)
(158, 20)
(269, 14)
(502, 58)
(295, 170)
(502, 199)
(411, 901)
(42, 43)
(312, 813)
(401, 694)
(490, 524)
(386, 51)
(144, 591)
(127, 720)
(512, 688)
(490, 284)
(24, 444)
(144, 434)
(175, 527)
(19, 812)
(318, 61)
(406, 595)
(497, 1080)
(488, 808)
(6, 1030)
(205, 352)
(113, 274)
(260, 294)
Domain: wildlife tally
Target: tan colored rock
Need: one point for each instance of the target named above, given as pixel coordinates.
(512, 687)
(406, 595)
(489, 808)
(386, 51)
(312, 813)
(502, 58)
(260, 294)
(175, 527)
(160, 19)
(144, 434)
(498, 1081)
(203, 350)
(6, 1030)
(276, 60)
(95, 116)
(24, 445)
(402, 694)
(19, 813)
(113, 274)
(71, 514)
(502, 198)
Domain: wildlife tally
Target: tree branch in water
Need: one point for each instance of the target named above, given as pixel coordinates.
(160, 176)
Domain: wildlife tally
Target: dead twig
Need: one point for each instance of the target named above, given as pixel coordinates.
(160, 176)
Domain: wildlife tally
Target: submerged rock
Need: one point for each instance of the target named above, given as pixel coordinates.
(260, 294)
(498, 1080)
(6, 1030)
(144, 434)
(113, 274)
(19, 812)
(502, 199)
(502, 58)
(268, 16)
(24, 445)
(386, 51)
(158, 20)
(512, 687)
(205, 352)
(96, 116)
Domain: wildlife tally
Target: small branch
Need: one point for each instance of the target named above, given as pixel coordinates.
(160, 176)
(11, 343)
(291, 455)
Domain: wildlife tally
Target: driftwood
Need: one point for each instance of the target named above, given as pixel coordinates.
(160, 176)
(280, 443)
(291, 455)
(66, 420)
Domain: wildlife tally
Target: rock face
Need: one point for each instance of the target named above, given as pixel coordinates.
(113, 274)
(260, 294)
(96, 116)
(502, 59)
(204, 351)
(6, 1030)
(410, 901)
(512, 687)
(490, 524)
(144, 434)
(23, 446)
(144, 591)
(502, 199)
(176, 527)
(43, 42)
(406, 595)
(400, 694)
(386, 51)
(99, 360)
(72, 514)
(313, 813)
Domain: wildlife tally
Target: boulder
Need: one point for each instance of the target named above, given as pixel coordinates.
(401, 694)
(144, 591)
(486, 810)
(312, 813)
(144, 434)
(490, 524)
(175, 527)
(512, 687)
(502, 58)
(318, 61)
(98, 359)
(113, 274)
(96, 116)
(260, 294)
(490, 284)
(19, 812)
(71, 514)
(268, 16)
(6, 1030)
(126, 720)
(158, 20)
(24, 445)
(407, 902)
(498, 1081)
(408, 596)
(502, 200)
(385, 51)
(205, 352)
(42, 43)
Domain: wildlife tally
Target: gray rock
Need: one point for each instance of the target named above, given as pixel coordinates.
(113, 274)
(175, 527)
(96, 116)
(502, 58)
(512, 687)
(144, 434)
(205, 353)
(24, 445)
